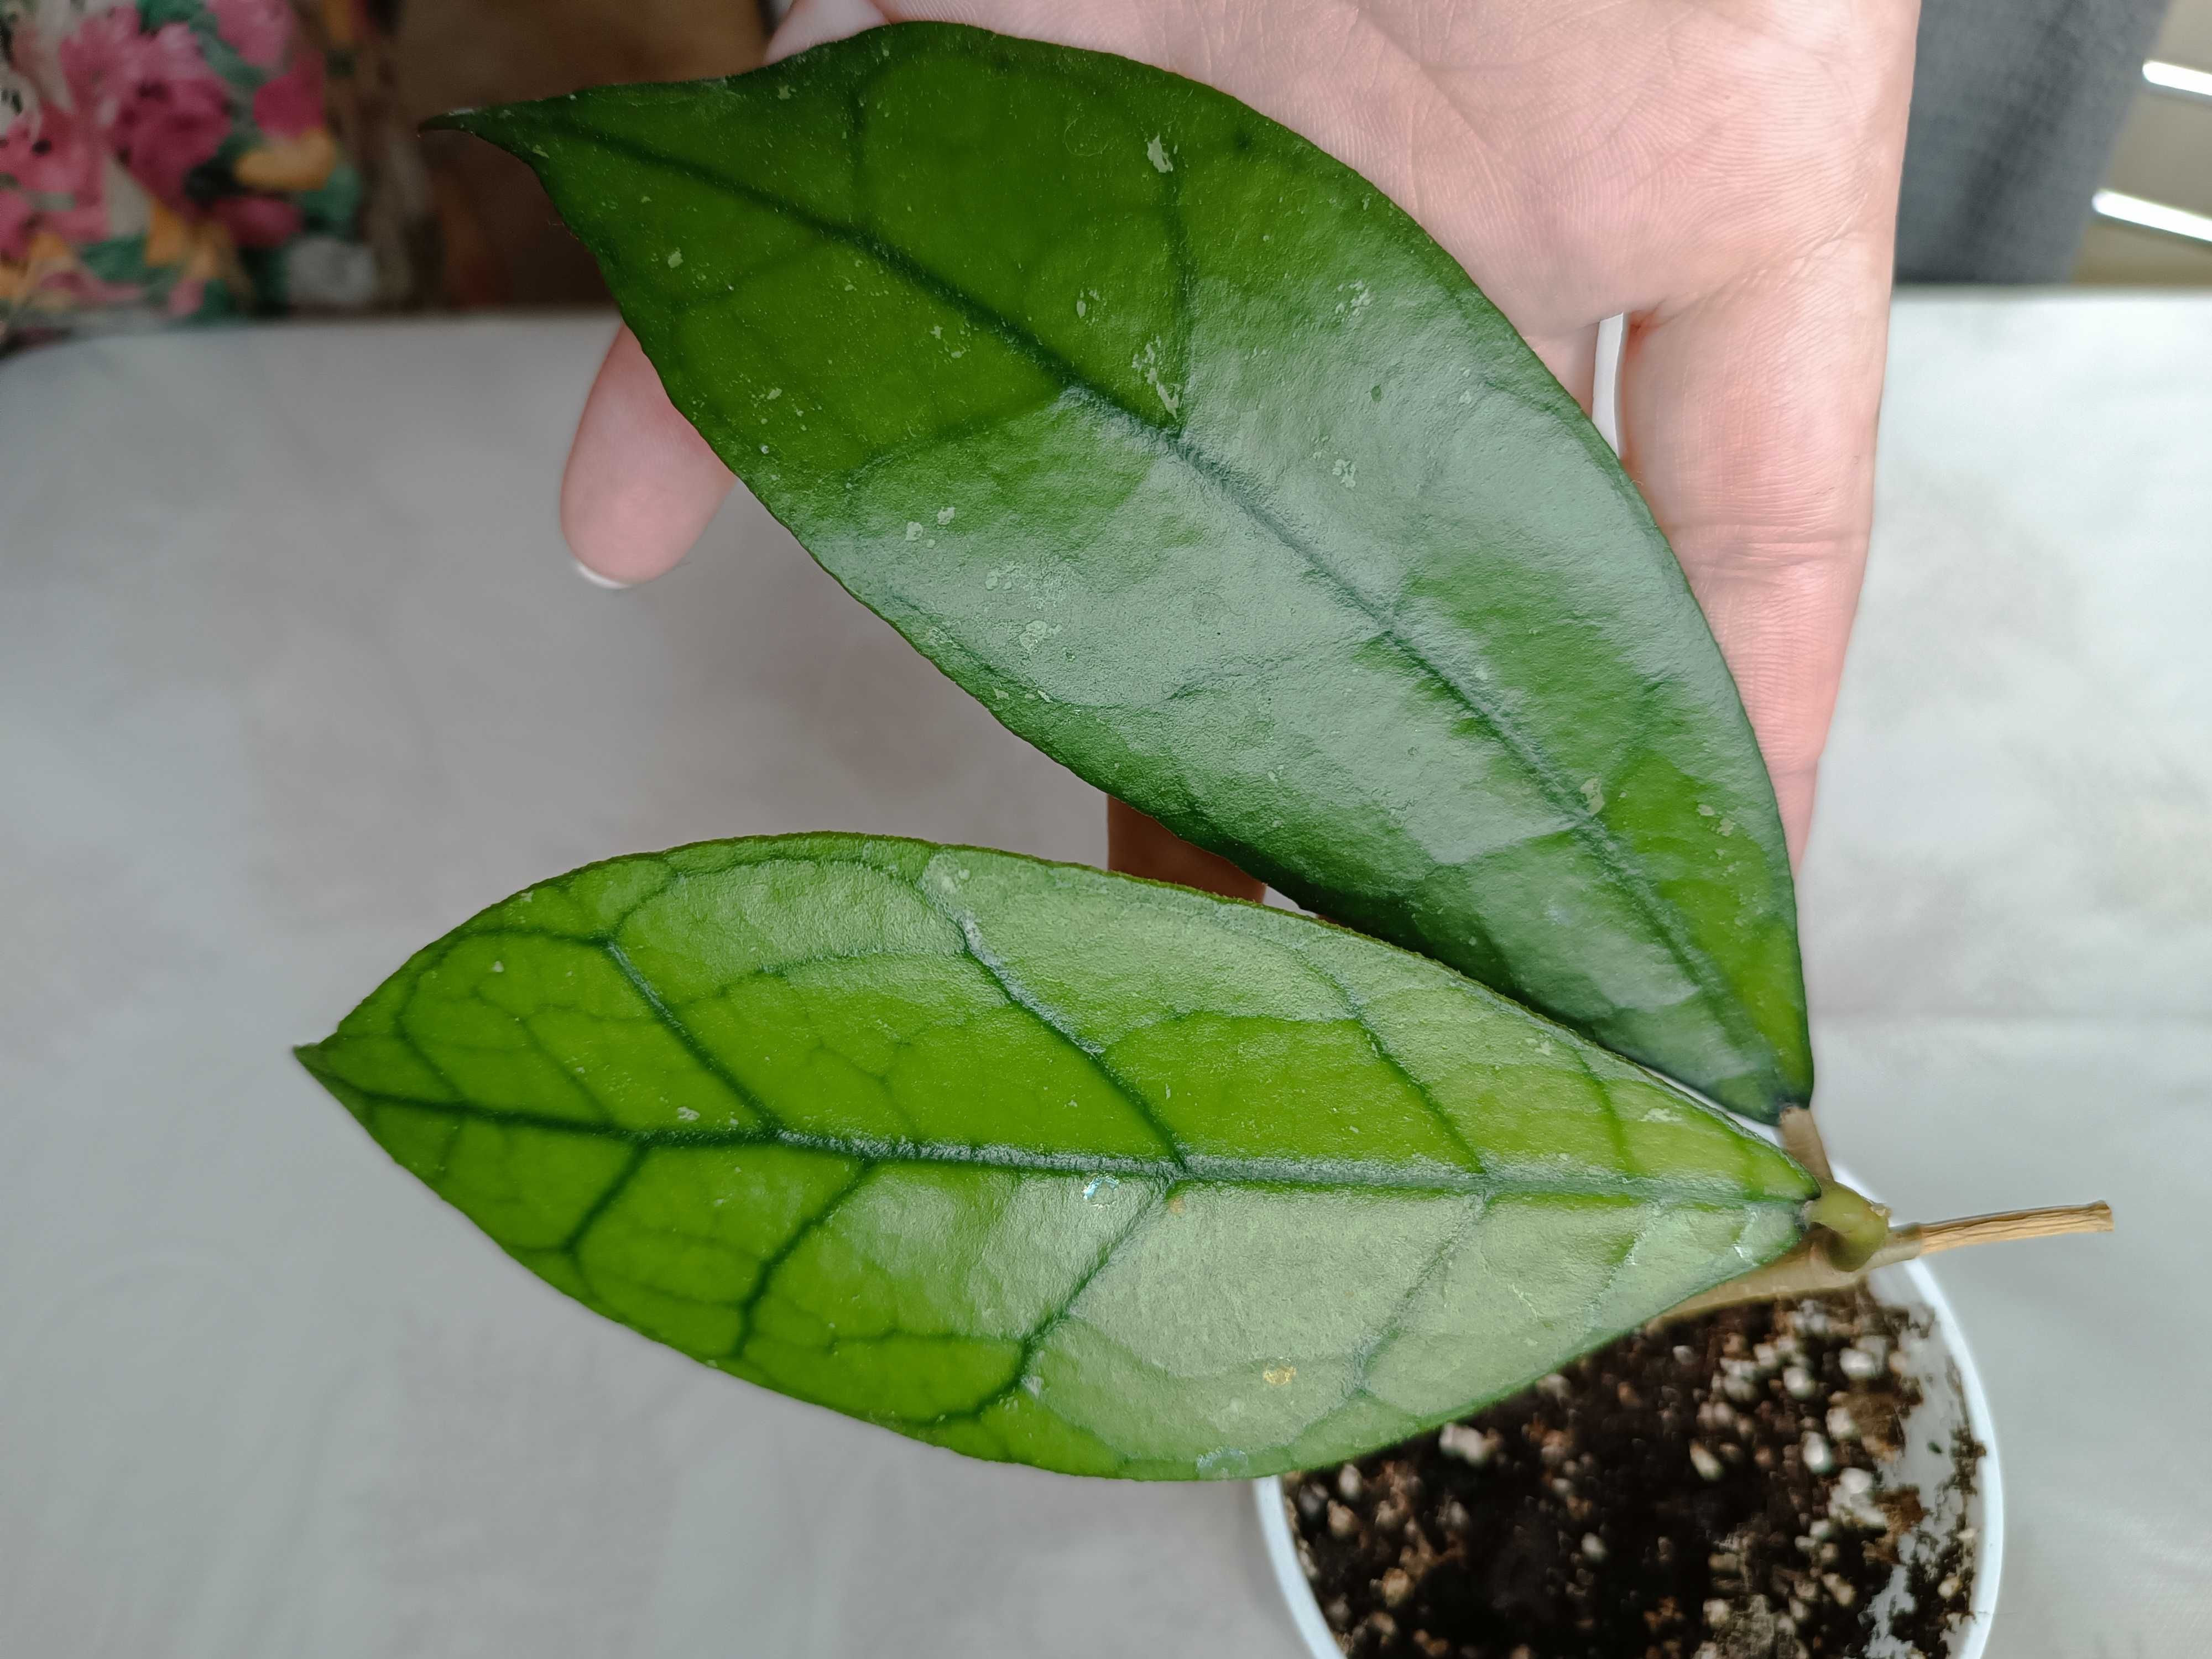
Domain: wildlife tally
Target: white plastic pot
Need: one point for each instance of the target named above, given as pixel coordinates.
(1953, 1391)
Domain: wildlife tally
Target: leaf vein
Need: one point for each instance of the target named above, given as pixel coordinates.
(971, 936)
(705, 1058)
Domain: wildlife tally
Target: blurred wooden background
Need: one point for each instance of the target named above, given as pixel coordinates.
(504, 244)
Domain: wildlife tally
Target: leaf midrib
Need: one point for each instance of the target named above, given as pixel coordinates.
(1197, 1169)
(1596, 836)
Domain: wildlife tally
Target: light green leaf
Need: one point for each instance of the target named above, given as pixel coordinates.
(1179, 446)
(1040, 1163)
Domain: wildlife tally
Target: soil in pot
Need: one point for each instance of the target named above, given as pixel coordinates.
(1703, 1489)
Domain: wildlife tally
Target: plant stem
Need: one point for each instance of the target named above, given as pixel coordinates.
(1810, 1270)
(1801, 1139)
(1935, 1235)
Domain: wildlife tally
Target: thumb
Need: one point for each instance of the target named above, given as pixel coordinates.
(812, 22)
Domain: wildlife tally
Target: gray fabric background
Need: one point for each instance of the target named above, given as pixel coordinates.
(2016, 105)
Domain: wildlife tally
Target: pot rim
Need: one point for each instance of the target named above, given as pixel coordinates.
(1989, 1564)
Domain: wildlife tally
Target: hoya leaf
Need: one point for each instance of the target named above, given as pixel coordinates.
(1179, 446)
(1043, 1163)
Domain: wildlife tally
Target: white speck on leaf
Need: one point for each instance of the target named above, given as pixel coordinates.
(1159, 153)
(773, 393)
(675, 257)
(913, 530)
(1347, 473)
(1036, 632)
(944, 515)
(1147, 363)
(1594, 793)
(783, 92)
(685, 1115)
(499, 967)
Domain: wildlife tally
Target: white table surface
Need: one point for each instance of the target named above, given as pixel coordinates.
(295, 674)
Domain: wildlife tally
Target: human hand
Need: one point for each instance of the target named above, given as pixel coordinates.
(1724, 172)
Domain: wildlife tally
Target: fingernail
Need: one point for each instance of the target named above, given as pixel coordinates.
(596, 579)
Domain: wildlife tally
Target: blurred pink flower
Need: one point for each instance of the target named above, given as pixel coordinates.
(152, 97)
(61, 284)
(56, 170)
(185, 297)
(86, 290)
(259, 29)
(17, 216)
(259, 221)
(292, 103)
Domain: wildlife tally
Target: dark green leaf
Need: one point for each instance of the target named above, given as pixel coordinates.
(1193, 458)
(1040, 1163)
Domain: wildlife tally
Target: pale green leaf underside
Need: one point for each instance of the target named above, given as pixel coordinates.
(1191, 456)
(1043, 1163)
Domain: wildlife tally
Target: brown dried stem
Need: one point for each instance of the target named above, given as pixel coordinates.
(1809, 1269)
(1801, 1139)
(1934, 1236)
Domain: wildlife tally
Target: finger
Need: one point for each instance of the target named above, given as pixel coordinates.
(1139, 846)
(811, 22)
(641, 483)
(1748, 419)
